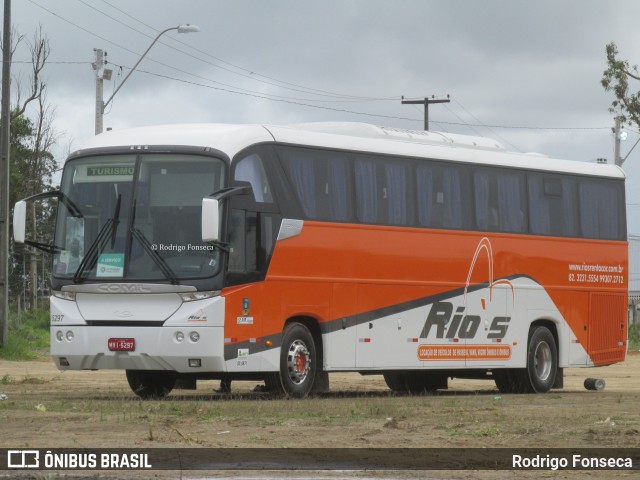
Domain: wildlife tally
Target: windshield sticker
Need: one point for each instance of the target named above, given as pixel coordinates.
(104, 173)
(110, 265)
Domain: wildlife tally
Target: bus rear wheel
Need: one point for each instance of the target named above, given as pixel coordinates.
(151, 384)
(298, 361)
(542, 360)
(542, 366)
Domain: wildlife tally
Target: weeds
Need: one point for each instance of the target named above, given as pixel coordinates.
(634, 337)
(28, 336)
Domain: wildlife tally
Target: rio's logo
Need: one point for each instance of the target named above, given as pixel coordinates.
(448, 325)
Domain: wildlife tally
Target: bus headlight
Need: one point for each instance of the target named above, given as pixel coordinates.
(179, 337)
(60, 335)
(69, 335)
(192, 296)
(194, 336)
(71, 296)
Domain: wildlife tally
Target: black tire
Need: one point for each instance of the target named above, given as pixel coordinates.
(415, 382)
(151, 384)
(542, 360)
(395, 381)
(274, 384)
(510, 380)
(298, 361)
(542, 366)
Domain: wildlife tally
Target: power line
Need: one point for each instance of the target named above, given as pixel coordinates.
(283, 100)
(295, 100)
(250, 73)
(161, 63)
(486, 126)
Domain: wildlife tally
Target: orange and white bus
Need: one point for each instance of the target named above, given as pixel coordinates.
(284, 253)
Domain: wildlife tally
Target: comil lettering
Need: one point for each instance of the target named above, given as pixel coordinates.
(461, 325)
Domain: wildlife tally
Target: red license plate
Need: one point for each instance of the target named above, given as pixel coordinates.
(122, 344)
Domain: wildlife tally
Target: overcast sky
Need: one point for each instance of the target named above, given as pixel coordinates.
(524, 73)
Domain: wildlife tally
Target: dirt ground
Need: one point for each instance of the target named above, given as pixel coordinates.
(46, 408)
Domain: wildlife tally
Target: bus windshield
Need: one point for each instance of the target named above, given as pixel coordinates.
(139, 218)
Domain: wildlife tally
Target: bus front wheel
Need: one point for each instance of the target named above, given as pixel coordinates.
(150, 384)
(298, 361)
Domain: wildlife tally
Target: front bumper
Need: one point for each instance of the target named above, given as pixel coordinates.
(156, 348)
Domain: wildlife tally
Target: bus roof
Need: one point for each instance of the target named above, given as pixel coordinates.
(231, 139)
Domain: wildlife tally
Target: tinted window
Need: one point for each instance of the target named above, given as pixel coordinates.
(322, 181)
(499, 197)
(601, 205)
(552, 205)
(386, 190)
(442, 193)
(250, 169)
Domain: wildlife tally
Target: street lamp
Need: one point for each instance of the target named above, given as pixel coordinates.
(100, 105)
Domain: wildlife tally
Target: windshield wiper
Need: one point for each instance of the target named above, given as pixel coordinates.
(90, 259)
(155, 256)
(146, 245)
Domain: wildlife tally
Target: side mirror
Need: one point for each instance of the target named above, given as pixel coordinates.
(210, 220)
(19, 221)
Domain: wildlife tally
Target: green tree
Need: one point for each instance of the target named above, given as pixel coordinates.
(617, 78)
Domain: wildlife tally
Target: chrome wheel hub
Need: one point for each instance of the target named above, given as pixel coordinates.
(298, 362)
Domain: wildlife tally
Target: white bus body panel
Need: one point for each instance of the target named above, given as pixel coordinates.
(156, 347)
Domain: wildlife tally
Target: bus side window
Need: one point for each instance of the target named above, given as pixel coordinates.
(600, 209)
(250, 169)
(397, 191)
(253, 223)
(552, 205)
(366, 191)
(455, 188)
(511, 201)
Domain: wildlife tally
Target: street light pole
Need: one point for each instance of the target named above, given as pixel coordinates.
(100, 105)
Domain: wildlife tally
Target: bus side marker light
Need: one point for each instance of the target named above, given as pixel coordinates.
(268, 343)
(195, 362)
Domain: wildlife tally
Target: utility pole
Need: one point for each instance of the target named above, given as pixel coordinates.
(5, 120)
(426, 102)
(616, 149)
(101, 75)
(619, 136)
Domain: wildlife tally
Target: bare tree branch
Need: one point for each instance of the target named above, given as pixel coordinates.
(40, 51)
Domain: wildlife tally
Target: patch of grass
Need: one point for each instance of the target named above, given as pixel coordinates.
(634, 337)
(28, 336)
